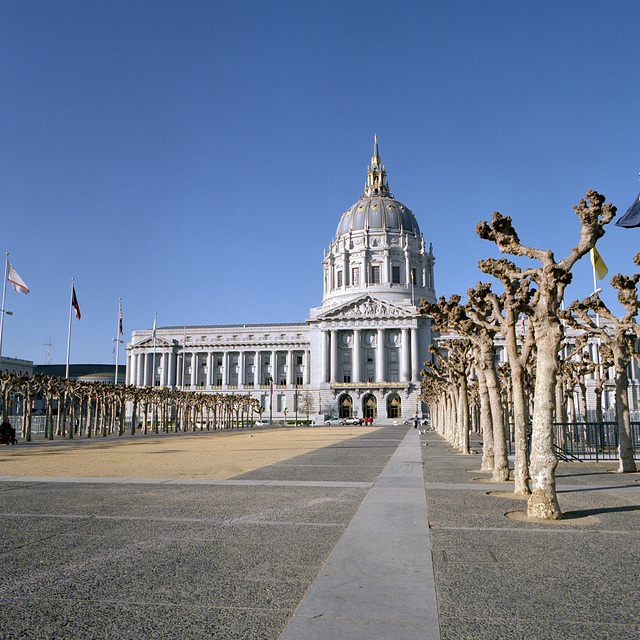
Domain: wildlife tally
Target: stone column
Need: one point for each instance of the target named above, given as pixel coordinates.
(274, 368)
(334, 356)
(139, 369)
(241, 372)
(131, 368)
(146, 357)
(209, 382)
(194, 369)
(416, 365)
(380, 356)
(173, 364)
(356, 354)
(405, 369)
(164, 366)
(324, 361)
(290, 368)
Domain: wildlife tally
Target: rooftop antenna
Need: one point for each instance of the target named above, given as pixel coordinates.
(47, 351)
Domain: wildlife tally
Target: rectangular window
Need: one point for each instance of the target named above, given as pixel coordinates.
(339, 278)
(369, 356)
(414, 277)
(299, 359)
(355, 275)
(395, 274)
(299, 379)
(218, 361)
(346, 376)
(375, 274)
(283, 381)
(218, 381)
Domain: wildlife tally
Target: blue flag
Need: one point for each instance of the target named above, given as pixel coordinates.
(632, 217)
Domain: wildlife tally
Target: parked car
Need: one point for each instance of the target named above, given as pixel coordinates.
(352, 420)
(262, 423)
(335, 421)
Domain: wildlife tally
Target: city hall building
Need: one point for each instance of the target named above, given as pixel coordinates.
(359, 354)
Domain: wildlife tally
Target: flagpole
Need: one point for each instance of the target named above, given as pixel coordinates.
(66, 372)
(184, 353)
(118, 341)
(153, 368)
(4, 292)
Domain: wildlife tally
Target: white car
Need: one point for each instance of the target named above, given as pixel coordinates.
(335, 421)
(262, 423)
(352, 420)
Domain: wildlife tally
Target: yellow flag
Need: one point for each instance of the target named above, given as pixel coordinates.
(598, 264)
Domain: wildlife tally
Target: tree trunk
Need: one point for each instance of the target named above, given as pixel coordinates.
(500, 455)
(543, 502)
(521, 467)
(486, 424)
(464, 414)
(625, 448)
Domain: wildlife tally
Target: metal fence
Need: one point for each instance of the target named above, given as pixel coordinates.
(587, 440)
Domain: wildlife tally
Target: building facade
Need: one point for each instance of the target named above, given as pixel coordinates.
(358, 354)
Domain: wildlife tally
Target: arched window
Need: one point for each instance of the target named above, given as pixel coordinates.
(345, 406)
(369, 406)
(394, 406)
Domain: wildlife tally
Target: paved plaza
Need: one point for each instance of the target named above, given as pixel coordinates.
(390, 534)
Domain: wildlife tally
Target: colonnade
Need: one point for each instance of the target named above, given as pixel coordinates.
(331, 347)
(233, 369)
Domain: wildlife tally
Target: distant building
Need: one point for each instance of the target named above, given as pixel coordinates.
(359, 354)
(83, 372)
(16, 365)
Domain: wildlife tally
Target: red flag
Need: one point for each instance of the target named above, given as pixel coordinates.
(74, 302)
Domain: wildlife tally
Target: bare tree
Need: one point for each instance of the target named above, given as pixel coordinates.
(551, 279)
(619, 334)
(473, 322)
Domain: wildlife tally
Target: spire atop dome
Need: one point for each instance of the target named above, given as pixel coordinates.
(377, 184)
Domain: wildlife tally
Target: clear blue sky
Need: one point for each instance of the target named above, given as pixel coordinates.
(194, 158)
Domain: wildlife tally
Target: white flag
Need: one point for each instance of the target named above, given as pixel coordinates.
(16, 281)
(153, 333)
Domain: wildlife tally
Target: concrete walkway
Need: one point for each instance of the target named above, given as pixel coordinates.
(391, 534)
(500, 575)
(378, 582)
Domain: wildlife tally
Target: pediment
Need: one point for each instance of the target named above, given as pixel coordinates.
(160, 342)
(365, 307)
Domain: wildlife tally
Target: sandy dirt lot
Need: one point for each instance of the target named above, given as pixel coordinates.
(214, 456)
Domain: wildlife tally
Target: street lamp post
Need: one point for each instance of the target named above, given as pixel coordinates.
(270, 400)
